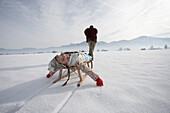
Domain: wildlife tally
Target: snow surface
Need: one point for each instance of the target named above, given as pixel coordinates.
(134, 82)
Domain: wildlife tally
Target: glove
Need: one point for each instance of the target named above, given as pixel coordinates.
(48, 76)
(99, 82)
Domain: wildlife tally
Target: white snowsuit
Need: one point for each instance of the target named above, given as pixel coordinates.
(76, 59)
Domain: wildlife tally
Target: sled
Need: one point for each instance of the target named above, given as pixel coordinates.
(78, 70)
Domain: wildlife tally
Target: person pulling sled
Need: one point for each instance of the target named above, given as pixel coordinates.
(91, 39)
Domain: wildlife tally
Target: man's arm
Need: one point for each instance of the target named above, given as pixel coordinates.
(95, 31)
(86, 32)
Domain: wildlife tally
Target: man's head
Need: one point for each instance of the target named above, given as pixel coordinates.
(91, 26)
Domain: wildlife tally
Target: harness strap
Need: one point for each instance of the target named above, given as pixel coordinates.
(68, 77)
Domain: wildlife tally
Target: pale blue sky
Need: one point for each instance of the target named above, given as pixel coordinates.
(51, 23)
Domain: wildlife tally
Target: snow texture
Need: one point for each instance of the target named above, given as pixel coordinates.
(134, 82)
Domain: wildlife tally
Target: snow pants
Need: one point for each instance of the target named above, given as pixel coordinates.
(92, 45)
(87, 70)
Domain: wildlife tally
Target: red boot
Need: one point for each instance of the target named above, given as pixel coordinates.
(99, 82)
(48, 75)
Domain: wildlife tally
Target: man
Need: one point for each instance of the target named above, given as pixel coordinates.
(91, 38)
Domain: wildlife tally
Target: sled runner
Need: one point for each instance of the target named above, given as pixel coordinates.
(74, 68)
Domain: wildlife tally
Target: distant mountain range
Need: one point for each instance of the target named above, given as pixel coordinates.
(137, 43)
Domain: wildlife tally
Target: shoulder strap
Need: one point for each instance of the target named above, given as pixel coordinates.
(68, 67)
(68, 77)
(71, 52)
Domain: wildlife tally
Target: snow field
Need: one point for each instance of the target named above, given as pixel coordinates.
(134, 81)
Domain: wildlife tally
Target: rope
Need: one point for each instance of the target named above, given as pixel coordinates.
(68, 77)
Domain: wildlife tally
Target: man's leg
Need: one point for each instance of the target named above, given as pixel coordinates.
(92, 45)
(90, 50)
